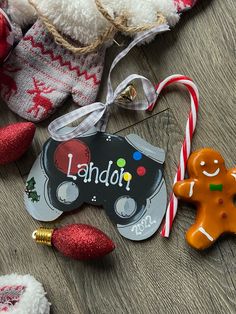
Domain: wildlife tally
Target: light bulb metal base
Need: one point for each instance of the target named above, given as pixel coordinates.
(43, 236)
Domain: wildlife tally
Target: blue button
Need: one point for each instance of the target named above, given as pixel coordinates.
(137, 156)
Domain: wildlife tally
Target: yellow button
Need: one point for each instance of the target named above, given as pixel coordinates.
(127, 176)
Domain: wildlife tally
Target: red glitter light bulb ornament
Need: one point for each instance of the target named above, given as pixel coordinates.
(77, 241)
(15, 139)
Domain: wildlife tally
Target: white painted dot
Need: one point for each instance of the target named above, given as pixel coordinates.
(216, 161)
(202, 163)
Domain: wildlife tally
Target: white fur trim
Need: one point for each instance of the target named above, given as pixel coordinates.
(81, 20)
(33, 300)
(21, 12)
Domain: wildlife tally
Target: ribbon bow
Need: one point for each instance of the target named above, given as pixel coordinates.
(97, 113)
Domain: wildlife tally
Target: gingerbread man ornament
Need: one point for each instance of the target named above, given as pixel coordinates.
(211, 187)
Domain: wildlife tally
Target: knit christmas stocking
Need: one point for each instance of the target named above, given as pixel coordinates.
(40, 75)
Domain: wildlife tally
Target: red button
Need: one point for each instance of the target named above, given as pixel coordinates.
(141, 171)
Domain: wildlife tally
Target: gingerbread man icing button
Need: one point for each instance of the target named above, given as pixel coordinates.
(211, 187)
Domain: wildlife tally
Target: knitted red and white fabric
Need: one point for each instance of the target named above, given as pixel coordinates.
(22, 295)
(9, 296)
(40, 75)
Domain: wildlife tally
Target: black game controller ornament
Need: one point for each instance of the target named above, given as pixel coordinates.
(124, 175)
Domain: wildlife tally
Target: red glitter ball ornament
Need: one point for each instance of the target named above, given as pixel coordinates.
(6, 37)
(15, 139)
(77, 241)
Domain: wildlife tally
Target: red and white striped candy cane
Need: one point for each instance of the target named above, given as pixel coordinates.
(186, 147)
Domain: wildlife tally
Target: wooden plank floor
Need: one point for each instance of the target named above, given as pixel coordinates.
(159, 275)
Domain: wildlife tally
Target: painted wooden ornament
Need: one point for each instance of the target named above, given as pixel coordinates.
(124, 175)
(211, 187)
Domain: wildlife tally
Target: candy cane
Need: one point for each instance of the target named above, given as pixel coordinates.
(186, 147)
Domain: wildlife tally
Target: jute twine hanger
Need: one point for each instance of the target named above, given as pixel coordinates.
(121, 25)
(118, 23)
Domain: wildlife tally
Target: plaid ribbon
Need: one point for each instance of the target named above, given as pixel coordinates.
(97, 113)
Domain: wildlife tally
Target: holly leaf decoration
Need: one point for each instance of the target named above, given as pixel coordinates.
(34, 196)
(31, 191)
(30, 185)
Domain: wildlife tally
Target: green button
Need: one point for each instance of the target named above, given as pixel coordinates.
(121, 162)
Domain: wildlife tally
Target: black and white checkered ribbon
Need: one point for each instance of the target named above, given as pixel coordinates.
(97, 113)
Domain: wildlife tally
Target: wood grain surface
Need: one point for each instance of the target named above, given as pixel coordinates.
(158, 275)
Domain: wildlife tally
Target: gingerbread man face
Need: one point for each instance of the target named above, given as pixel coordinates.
(206, 164)
(211, 187)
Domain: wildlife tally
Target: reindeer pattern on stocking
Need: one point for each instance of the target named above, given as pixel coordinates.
(40, 103)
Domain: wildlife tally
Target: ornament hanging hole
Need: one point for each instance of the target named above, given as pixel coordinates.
(34, 234)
